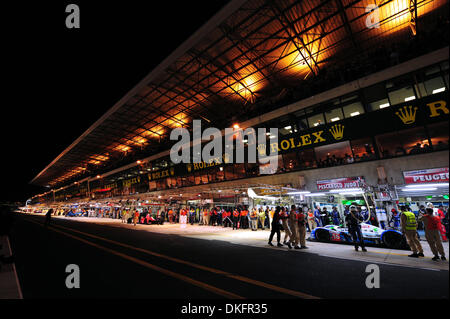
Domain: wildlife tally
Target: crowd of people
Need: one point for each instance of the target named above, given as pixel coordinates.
(334, 160)
(295, 221)
(435, 226)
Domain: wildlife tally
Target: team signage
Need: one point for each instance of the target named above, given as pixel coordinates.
(433, 175)
(129, 182)
(324, 135)
(161, 174)
(340, 183)
(224, 159)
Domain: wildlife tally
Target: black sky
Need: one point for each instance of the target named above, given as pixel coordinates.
(57, 82)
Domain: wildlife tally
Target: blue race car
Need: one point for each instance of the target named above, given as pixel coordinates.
(372, 235)
(72, 213)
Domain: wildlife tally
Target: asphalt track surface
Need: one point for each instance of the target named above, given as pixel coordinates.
(126, 263)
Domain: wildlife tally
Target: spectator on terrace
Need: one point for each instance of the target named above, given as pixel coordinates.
(399, 151)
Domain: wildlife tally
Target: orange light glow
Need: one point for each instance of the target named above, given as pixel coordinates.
(395, 15)
(153, 132)
(122, 148)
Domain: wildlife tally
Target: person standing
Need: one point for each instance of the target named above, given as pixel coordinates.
(212, 216)
(224, 218)
(353, 221)
(311, 220)
(124, 216)
(254, 219)
(199, 216)
(170, 215)
(183, 216)
(373, 219)
(135, 217)
(317, 216)
(162, 217)
(219, 216)
(205, 217)
(236, 217)
(395, 219)
(294, 238)
(244, 219)
(366, 215)
(432, 233)
(301, 220)
(445, 221)
(276, 227)
(442, 230)
(267, 220)
(326, 220)
(381, 216)
(271, 213)
(346, 210)
(335, 216)
(409, 228)
(48, 217)
(262, 218)
(192, 216)
(177, 216)
(284, 222)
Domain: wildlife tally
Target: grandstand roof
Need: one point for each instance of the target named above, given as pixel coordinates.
(248, 51)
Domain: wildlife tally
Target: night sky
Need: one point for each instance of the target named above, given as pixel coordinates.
(59, 81)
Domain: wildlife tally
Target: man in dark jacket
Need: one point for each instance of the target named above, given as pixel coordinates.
(353, 220)
(276, 227)
(267, 219)
(325, 217)
(162, 217)
(48, 216)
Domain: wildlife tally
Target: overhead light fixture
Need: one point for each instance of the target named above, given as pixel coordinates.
(351, 193)
(439, 90)
(287, 127)
(335, 119)
(272, 136)
(298, 193)
(315, 124)
(316, 194)
(342, 190)
(236, 126)
(427, 185)
(419, 189)
(139, 162)
(410, 98)
(354, 114)
(382, 106)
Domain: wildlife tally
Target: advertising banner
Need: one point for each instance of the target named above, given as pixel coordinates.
(340, 183)
(433, 175)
